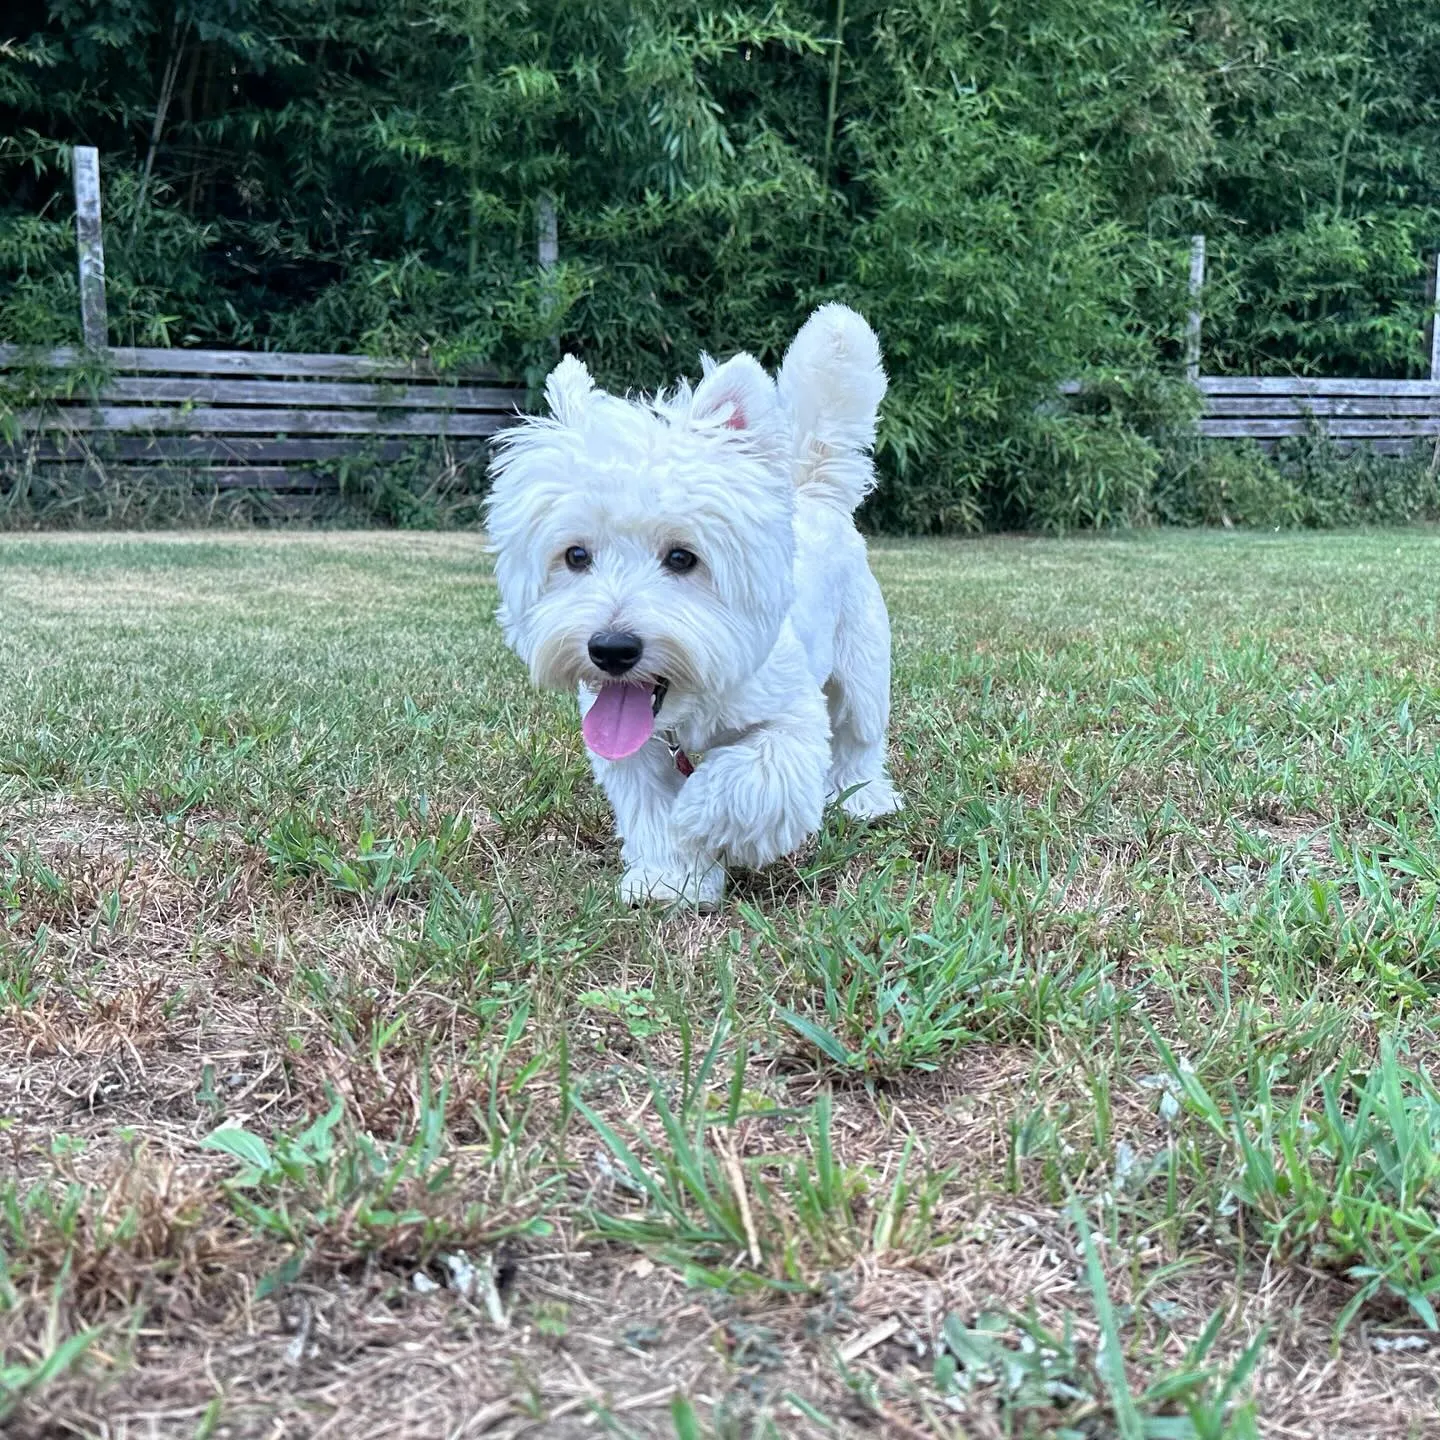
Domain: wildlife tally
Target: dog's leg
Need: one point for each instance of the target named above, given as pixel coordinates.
(660, 867)
(858, 694)
(760, 796)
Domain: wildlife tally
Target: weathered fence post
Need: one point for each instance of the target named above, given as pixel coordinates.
(547, 232)
(1432, 330)
(90, 243)
(547, 252)
(1192, 320)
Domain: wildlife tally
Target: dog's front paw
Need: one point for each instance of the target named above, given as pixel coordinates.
(747, 810)
(700, 886)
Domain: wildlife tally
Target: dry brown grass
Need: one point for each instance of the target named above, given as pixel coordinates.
(160, 1264)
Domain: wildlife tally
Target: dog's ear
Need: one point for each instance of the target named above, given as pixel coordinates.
(568, 390)
(742, 397)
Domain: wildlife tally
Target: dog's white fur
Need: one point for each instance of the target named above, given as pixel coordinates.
(776, 646)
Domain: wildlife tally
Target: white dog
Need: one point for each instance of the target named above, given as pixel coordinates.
(691, 564)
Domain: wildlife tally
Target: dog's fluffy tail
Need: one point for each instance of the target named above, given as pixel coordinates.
(832, 382)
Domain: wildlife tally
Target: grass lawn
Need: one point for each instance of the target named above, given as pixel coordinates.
(1089, 1097)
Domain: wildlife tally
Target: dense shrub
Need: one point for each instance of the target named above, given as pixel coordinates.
(1005, 186)
(1228, 482)
(1309, 482)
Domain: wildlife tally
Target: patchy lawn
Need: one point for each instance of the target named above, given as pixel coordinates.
(1090, 1097)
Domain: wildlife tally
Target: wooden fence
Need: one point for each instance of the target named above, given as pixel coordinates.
(236, 420)
(290, 423)
(1390, 416)
(260, 421)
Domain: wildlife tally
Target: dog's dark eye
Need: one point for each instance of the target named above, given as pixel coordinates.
(678, 561)
(577, 557)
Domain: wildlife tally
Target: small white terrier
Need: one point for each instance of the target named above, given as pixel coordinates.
(691, 564)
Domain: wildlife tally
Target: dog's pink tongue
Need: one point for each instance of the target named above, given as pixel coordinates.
(620, 721)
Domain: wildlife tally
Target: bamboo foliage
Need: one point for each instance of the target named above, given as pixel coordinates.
(1007, 187)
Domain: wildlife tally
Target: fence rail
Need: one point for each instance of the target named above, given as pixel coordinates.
(240, 363)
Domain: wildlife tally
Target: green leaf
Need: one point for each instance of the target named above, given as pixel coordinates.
(1111, 1360)
(684, 1419)
(287, 1273)
(242, 1144)
(819, 1037)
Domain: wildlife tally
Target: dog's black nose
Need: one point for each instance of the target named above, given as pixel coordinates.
(615, 651)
